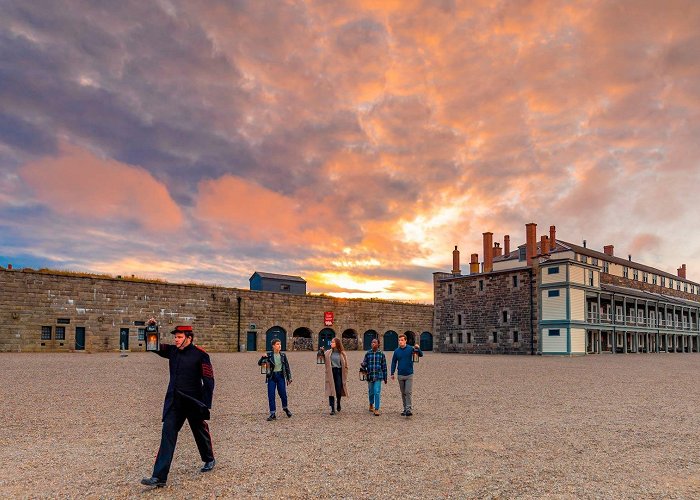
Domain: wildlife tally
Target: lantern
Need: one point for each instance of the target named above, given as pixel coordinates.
(363, 375)
(152, 336)
(265, 367)
(416, 357)
(320, 357)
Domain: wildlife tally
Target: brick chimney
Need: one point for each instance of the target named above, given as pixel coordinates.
(455, 262)
(530, 241)
(609, 250)
(474, 264)
(552, 237)
(497, 250)
(488, 252)
(544, 245)
(506, 245)
(681, 272)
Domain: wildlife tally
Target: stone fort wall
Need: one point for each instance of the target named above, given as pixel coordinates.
(30, 300)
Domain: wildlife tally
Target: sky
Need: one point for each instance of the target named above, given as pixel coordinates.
(353, 143)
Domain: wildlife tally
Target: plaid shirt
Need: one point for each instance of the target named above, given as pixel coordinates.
(376, 365)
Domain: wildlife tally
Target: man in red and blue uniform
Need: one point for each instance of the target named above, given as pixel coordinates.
(189, 397)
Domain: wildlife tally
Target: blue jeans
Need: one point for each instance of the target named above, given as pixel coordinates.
(276, 381)
(374, 390)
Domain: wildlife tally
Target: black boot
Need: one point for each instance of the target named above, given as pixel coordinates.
(338, 403)
(271, 417)
(331, 401)
(289, 413)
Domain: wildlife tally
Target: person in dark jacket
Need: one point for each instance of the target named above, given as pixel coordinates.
(189, 397)
(278, 376)
(374, 365)
(403, 360)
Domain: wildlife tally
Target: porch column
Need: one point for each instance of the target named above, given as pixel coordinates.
(624, 342)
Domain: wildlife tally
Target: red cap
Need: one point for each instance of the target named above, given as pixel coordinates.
(186, 329)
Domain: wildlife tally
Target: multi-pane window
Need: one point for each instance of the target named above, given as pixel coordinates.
(522, 255)
(594, 261)
(45, 333)
(654, 279)
(606, 266)
(584, 259)
(670, 282)
(663, 281)
(635, 274)
(60, 333)
(141, 334)
(645, 277)
(678, 285)
(590, 278)
(625, 272)
(685, 287)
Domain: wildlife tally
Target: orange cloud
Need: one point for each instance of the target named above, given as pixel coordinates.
(78, 183)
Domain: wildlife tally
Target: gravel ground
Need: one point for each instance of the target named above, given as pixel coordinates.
(88, 425)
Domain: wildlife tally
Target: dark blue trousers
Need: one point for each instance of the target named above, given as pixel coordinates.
(276, 382)
(172, 423)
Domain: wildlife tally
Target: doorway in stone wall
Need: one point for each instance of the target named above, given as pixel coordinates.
(79, 338)
(124, 339)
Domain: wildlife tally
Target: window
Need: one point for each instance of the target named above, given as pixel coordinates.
(141, 334)
(495, 337)
(654, 279)
(515, 336)
(552, 293)
(452, 339)
(625, 272)
(460, 338)
(553, 270)
(584, 259)
(505, 316)
(63, 321)
(590, 277)
(459, 319)
(515, 282)
(481, 285)
(685, 287)
(449, 289)
(554, 333)
(45, 333)
(469, 337)
(635, 274)
(606, 266)
(60, 333)
(285, 287)
(645, 277)
(521, 254)
(139, 323)
(594, 262)
(670, 282)
(678, 285)
(663, 281)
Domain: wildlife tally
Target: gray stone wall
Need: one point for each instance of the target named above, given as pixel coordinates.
(467, 316)
(103, 306)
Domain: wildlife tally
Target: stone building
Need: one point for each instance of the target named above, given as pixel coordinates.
(554, 297)
(52, 311)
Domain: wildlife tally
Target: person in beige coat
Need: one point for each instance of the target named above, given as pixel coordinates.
(336, 374)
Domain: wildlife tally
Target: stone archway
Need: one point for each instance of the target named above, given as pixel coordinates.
(349, 340)
(391, 340)
(324, 338)
(367, 339)
(276, 332)
(301, 340)
(426, 341)
(410, 337)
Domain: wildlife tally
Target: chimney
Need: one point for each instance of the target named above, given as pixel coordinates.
(552, 238)
(584, 243)
(609, 250)
(530, 241)
(497, 250)
(474, 264)
(629, 257)
(544, 245)
(506, 245)
(681, 272)
(488, 252)
(455, 262)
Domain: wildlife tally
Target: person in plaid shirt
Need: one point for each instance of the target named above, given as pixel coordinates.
(375, 364)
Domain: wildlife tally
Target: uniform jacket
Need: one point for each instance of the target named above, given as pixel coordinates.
(330, 386)
(270, 358)
(191, 375)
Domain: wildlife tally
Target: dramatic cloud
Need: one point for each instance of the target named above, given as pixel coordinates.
(354, 143)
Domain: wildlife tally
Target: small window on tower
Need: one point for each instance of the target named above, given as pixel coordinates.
(285, 287)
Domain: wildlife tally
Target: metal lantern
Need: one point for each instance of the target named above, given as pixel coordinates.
(416, 357)
(152, 337)
(265, 368)
(363, 375)
(320, 357)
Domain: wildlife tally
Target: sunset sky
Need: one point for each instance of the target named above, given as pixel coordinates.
(353, 143)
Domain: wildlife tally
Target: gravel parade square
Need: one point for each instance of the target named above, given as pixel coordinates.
(615, 426)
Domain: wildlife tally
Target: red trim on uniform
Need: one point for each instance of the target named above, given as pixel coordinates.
(201, 349)
(211, 442)
(207, 370)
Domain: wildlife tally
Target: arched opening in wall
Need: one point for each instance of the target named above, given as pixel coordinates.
(349, 339)
(367, 339)
(410, 337)
(301, 340)
(324, 338)
(276, 332)
(426, 341)
(391, 340)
